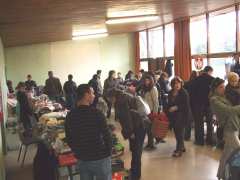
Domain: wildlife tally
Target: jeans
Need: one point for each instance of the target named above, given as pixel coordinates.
(136, 146)
(95, 170)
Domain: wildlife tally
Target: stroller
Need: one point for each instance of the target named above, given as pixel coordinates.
(232, 167)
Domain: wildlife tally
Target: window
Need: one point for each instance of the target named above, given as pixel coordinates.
(221, 67)
(198, 35)
(222, 31)
(143, 44)
(196, 64)
(155, 37)
(144, 65)
(169, 40)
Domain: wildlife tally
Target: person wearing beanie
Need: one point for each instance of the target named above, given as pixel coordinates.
(228, 119)
(233, 89)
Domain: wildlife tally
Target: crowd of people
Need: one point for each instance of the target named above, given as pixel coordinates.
(202, 99)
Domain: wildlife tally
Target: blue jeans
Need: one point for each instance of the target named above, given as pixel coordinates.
(95, 170)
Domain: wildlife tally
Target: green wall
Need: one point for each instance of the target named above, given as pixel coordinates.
(80, 58)
(4, 105)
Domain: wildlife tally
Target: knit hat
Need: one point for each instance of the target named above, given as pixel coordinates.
(216, 82)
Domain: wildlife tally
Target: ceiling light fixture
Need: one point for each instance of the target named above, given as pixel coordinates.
(89, 36)
(131, 19)
(84, 32)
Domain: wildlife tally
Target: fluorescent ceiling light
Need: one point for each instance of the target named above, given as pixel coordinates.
(131, 19)
(90, 36)
(88, 32)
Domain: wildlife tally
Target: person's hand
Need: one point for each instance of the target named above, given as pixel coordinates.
(173, 109)
(132, 136)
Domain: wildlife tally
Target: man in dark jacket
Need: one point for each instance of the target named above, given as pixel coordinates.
(200, 97)
(53, 87)
(30, 84)
(97, 87)
(132, 123)
(88, 136)
(70, 88)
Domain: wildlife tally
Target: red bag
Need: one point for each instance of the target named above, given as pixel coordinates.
(67, 159)
(160, 125)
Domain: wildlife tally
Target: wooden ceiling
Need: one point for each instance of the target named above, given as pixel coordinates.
(38, 21)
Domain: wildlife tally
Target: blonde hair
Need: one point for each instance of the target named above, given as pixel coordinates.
(233, 77)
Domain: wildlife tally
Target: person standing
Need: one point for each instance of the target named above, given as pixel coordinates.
(119, 78)
(179, 113)
(30, 84)
(109, 84)
(25, 110)
(233, 89)
(89, 137)
(100, 88)
(70, 88)
(228, 119)
(188, 87)
(150, 95)
(133, 127)
(53, 87)
(96, 85)
(201, 109)
(164, 89)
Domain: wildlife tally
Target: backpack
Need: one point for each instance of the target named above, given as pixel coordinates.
(232, 167)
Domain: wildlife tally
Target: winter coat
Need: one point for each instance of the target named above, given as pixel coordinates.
(200, 90)
(97, 87)
(151, 98)
(233, 94)
(183, 115)
(53, 87)
(109, 84)
(227, 115)
(70, 88)
(127, 113)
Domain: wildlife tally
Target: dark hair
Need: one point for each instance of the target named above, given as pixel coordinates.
(29, 75)
(215, 83)
(176, 79)
(50, 72)
(95, 76)
(82, 90)
(149, 77)
(207, 69)
(110, 74)
(193, 75)
(21, 85)
(99, 72)
(70, 76)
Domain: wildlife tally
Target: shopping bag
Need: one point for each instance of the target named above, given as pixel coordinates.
(160, 125)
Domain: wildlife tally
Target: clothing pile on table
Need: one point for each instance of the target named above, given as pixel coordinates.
(52, 133)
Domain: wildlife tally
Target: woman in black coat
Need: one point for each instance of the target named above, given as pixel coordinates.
(179, 113)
